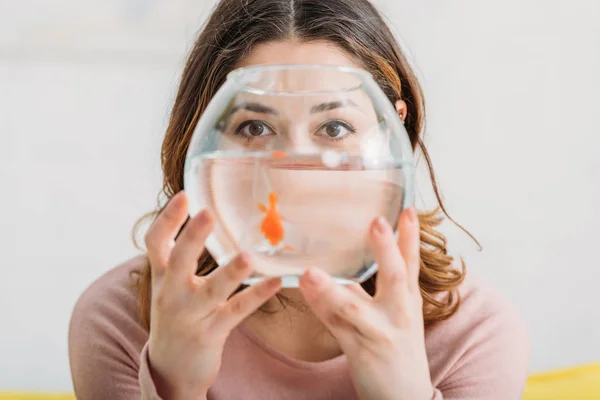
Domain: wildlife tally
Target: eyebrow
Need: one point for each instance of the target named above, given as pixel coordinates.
(254, 107)
(331, 106)
(262, 109)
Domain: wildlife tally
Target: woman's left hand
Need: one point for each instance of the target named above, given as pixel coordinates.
(382, 336)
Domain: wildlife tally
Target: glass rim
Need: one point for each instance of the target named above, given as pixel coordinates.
(234, 76)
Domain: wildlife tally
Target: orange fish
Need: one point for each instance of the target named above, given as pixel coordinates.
(272, 225)
(279, 154)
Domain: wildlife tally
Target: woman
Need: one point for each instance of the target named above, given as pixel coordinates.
(180, 328)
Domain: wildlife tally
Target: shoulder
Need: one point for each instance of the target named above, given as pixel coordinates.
(112, 298)
(485, 343)
(483, 311)
(105, 334)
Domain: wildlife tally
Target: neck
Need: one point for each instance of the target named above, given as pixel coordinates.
(292, 329)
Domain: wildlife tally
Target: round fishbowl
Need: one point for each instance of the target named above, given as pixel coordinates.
(295, 162)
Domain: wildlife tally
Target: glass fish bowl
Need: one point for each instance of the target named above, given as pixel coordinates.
(295, 162)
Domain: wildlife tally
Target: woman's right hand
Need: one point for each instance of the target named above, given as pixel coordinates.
(192, 316)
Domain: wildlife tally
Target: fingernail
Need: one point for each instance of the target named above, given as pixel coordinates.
(412, 215)
(204, 216)
(245, 260)
(315, 277)
(176, 199)
(380, 226)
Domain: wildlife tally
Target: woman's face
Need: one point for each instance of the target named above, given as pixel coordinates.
(327, 212)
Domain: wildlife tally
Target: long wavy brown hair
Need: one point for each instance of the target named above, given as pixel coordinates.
(232, 31)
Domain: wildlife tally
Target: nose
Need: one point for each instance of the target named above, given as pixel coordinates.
(297, 138)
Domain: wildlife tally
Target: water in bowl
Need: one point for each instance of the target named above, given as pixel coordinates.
(290, 212)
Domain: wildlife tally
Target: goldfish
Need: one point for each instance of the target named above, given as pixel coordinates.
(279, 154)
(272, 224)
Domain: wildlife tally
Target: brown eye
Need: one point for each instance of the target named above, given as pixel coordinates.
(252, 129)
(255, 129)
(335, 130)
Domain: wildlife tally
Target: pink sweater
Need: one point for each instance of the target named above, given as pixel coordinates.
(481, 352)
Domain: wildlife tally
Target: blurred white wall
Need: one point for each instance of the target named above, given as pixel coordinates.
(85, 88)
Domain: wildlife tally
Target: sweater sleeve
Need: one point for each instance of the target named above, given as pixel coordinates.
(493, 356)
(107, 351)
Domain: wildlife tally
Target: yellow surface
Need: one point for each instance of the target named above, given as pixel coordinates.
(579, 383)
(35, 396)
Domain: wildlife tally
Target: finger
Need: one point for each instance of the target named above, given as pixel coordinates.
(409, 242)
(358, 290)
(243, 304)
(183, 261)
(163, 231)
(337, 307)
(220, 283)
(391, 274)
